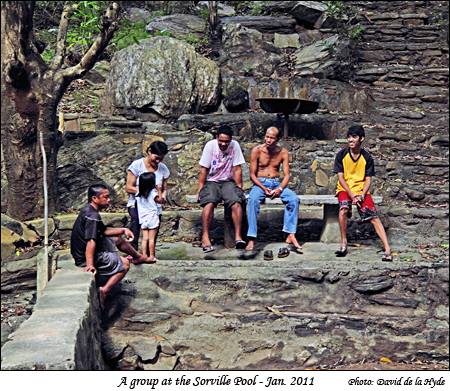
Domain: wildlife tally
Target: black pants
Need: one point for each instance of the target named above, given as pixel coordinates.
(134, 225)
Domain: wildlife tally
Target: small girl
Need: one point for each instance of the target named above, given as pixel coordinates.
(147, 199)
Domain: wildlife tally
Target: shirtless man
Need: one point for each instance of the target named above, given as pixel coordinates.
(265, 163)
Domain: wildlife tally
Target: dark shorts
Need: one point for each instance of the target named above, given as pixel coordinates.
(366, 209)
(216, 192)
(107, 264)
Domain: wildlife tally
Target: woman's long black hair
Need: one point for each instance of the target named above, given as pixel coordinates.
(147, 182)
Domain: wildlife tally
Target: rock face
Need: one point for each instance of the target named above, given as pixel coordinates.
(179, 25)
(278, 316)
(264, 24)
(246, 52)
(165, 76)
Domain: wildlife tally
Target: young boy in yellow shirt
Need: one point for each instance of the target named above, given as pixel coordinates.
(355, 169)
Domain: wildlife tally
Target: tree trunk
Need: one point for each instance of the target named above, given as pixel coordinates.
(31, 91)
(212, 19)
(28, 105)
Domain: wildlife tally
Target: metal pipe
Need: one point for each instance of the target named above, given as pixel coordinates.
(43, 269)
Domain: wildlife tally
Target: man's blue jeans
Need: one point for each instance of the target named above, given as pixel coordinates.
(257, 196)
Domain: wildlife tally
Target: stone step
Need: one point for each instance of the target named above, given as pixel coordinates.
(269, 308)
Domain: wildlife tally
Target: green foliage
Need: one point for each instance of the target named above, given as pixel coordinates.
(330, 46)
(48, 54)
(195, 40)
(444, 246)
(163, 33)
(255, 8)
(204, 13)
(356, 32)
(158, 14)
(335, 9)
(344, 16)
(84, 23)
(128, 34)
(248, 7)
(248, 70)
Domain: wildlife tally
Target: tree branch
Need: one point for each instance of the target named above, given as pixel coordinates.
(109, 26)
(62, 35)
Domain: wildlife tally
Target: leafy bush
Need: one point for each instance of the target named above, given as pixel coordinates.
(128, 34)
(345, 19)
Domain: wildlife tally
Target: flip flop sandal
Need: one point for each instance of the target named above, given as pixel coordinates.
(240, 244)
(342, 252)
(208, 249)
(268, 255)
(283, 252)
(387, 258)
(295, 249)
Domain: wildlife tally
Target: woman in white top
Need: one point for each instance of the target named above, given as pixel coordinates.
(151, 163)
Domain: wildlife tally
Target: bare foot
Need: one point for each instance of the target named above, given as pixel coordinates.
(250, 245)
(291, 239)
(141, 259)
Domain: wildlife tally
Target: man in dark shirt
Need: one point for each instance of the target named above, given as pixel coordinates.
(94, 246)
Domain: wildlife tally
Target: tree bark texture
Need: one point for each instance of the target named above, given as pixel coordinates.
(31, 91)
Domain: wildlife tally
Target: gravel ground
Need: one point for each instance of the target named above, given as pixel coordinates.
(16, 308)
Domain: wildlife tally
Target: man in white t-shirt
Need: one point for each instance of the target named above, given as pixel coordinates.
(221, 180)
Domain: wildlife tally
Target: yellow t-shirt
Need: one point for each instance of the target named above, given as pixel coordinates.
(355, 171)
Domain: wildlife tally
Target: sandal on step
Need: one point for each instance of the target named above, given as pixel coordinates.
(342, 252)
(387, 257)
(268, 255)
(283, 252)
(208, 249)
(295, 249)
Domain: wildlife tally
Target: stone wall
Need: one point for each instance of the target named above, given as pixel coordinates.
(403, 61)
(63, 332)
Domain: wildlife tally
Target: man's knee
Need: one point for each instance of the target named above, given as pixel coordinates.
(208, 207)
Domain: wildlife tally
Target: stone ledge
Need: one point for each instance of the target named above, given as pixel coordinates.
(63, 333)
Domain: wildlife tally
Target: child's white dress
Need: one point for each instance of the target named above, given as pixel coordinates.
(148, 210)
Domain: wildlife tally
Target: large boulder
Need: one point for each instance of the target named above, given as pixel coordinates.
(245, 52)
(165, 76)
(329, 58)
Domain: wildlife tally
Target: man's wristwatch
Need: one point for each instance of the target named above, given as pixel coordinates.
(280, 188)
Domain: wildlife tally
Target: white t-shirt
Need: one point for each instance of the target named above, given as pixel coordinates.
(148, 210)
(220, 163)
(138, 167)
